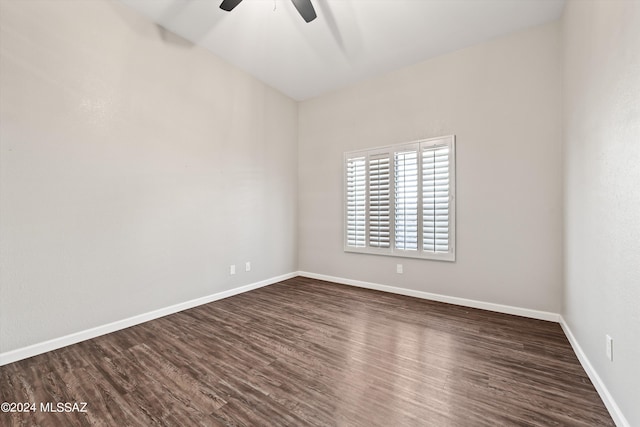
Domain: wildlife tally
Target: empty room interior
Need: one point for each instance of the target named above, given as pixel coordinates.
(320, 212)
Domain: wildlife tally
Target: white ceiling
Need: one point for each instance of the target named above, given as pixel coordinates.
(349, 41)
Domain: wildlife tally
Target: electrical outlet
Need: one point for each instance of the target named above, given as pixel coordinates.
(399, 269)
(232, 269)
(609, 348)
(247, 266)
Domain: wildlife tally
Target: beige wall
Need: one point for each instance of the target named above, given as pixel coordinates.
(134, 169)
(502, 99)
(602, 187)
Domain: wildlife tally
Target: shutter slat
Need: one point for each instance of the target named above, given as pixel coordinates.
(435, 199)
(356, 203)
(406, 199)
(379, 201)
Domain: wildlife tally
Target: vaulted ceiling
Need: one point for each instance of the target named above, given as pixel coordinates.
(349, 41)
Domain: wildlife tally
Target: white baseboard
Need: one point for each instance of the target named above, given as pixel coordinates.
(518, 311)
(53, 344)
(612, 406)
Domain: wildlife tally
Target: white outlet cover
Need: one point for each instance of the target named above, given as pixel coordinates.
(232, 269)
(247, 266)
(609, 348)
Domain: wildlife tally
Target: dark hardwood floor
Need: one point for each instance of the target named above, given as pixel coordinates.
(306, 352)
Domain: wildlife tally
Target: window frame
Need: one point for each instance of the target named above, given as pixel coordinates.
(419, 146)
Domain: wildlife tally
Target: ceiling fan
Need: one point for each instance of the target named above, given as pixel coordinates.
(305, 8)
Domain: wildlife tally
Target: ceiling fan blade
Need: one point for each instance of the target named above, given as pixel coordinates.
(305, 9)
(228, 5)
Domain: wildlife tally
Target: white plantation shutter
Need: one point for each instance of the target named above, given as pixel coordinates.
(435, 198)
(400, 200)
(356, 202)
(379, 201)
(406, 200)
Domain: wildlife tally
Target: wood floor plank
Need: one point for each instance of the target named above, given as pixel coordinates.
(305, 352)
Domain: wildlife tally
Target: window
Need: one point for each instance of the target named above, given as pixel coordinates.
(400, 200)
